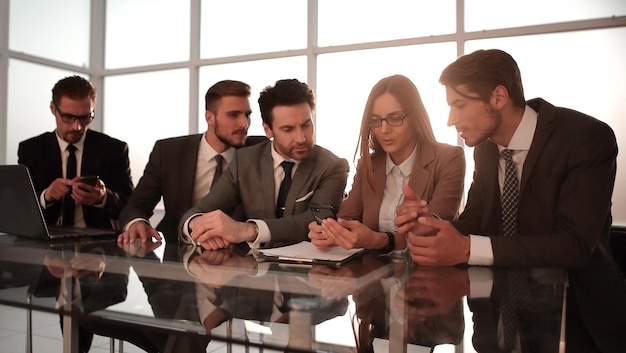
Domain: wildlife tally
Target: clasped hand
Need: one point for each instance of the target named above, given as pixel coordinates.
(430, 241)
(216, 230)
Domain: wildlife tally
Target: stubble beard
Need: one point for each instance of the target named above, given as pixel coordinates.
(229, 140)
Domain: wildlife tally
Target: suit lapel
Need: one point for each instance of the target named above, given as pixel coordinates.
(90, 156)
(419, 175)
(54, 157)
(546, 122)
(488, 155)
(301, 180)
(266, 165)
(189, 163)
(380, 178)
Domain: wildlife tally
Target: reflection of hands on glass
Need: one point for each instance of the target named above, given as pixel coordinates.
(333, 283)
(138, 247)
(218, 267)
(84, 265)
(79, 266)
(433, 291)
(56, 264)
(216, 318)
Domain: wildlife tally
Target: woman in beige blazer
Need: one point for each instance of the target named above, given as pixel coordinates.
(396, 147)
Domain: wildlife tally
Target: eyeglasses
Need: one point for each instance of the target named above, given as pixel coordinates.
(70, 119)
(391, 119)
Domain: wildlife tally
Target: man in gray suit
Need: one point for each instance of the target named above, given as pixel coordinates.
(181, 169)
(252, 179)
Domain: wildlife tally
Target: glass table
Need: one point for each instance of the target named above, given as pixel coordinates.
(176, 298)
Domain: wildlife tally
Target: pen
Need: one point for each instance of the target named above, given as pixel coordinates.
(295, 259)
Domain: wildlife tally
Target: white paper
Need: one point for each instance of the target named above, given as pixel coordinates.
(307, 251)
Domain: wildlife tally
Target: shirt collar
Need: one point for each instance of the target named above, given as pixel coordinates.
(278, 159)
(523, 136)
(207, 152)
(63, 144)
(405, 167)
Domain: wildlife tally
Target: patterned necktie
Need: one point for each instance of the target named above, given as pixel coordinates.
(219, 160)
(68, 201)
(284, 188)
(518, 298)
(510, 195)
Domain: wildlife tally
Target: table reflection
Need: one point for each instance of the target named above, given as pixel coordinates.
(183, 298)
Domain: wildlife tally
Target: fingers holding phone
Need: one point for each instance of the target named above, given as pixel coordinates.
(89, 190)
(318, 238)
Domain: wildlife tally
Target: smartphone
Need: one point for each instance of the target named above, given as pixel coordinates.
(91, 180)
(321, 212)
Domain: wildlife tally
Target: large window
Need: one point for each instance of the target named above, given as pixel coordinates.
(142, 108)
(153, 60)
(145, 32)
(241, 27)
(56, 30)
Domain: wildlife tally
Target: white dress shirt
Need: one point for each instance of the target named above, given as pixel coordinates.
(481, 252)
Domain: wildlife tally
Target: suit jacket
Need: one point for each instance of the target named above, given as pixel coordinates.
(249, 181)
(170, 173)
(103, 155)
(565, 193)
(564, 212)
(437, 177)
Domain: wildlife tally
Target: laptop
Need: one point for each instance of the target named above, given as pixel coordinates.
(21, 215)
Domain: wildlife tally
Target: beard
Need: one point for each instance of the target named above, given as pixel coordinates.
(234, 140)
(495, 115)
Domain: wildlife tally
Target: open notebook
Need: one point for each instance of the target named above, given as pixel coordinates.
(306, 253)
(21, 215)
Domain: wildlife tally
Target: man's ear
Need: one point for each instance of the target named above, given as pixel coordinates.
(209, 117)
(499, 97)
(268, 131)
(53, 109)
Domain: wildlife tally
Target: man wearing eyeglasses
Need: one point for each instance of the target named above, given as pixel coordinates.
(59, 162)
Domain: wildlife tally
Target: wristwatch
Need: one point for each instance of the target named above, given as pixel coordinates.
(391, 244)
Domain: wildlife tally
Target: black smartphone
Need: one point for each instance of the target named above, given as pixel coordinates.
(91, 180)
(321, 212)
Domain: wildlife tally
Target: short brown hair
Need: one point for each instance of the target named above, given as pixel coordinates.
(73, 87)
(223, 89)
(484, 70)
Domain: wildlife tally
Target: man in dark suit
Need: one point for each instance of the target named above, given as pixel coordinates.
(564, 163)
(95, 154)
(252, 180)
(181, 169)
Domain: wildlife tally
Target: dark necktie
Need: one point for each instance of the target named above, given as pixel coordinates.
(219, 159)
(68, 201)
(510, 195)
(284, 188)
(517, 299)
